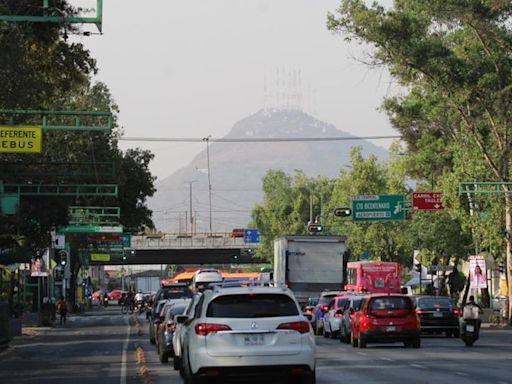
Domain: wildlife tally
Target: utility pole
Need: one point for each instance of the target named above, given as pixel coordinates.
(207, 139)
(190, 205)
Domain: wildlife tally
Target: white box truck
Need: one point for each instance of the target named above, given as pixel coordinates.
(309, 265)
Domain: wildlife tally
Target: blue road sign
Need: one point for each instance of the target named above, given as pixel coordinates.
(251, 236)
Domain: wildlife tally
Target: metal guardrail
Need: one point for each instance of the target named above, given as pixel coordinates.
(198, 241)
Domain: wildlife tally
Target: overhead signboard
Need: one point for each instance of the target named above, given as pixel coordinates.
(92, 229)
(14, 139)
(100, 257)
(251, 236)
(378, 208)
(427, 201)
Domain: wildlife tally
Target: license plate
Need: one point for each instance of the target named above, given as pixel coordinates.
(470, 328)
(438, 314)
(254, 340)
(391, 329)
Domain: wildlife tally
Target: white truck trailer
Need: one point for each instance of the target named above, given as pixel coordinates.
(309, 265)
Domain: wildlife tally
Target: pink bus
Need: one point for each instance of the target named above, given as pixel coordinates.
(373, 277)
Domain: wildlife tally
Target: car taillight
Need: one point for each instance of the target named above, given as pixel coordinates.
(456, 312)
(169, 327)
(309, 311)
(324, 308)
(299, 326)
(338, 315)
(419, 311)
(203, 329)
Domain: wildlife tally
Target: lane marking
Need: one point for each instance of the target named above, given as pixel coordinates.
(125, 348)
(386, 359)
(461, 373)
(418, 366)
(362, 353)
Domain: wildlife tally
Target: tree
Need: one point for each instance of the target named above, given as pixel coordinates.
(453, 59)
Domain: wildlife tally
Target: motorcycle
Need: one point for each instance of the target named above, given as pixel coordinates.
(470, 325)
(140, 307)
(105, 301)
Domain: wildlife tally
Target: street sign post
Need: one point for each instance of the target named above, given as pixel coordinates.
(427, 201)
(378, 208)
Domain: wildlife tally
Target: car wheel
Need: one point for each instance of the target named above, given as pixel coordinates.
(164, 357)
(342, 337)
(347, 338)
(189, 377)
(353, 340)
(176, 363)
(362, 342)
(416, 343)
(309, 378)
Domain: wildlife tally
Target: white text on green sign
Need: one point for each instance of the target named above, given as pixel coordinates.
(378, 208)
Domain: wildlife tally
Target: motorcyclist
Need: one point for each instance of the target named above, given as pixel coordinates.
(139, 299)
(472, 310)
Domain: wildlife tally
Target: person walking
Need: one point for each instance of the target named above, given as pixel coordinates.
(62, 309)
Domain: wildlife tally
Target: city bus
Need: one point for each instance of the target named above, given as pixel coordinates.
(373, 277)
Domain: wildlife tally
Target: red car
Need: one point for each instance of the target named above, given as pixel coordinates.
(115, 294)
(386, 318)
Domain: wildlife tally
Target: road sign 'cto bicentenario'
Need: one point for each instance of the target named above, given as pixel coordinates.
(20, 139)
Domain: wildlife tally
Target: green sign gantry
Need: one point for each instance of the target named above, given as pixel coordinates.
(48, 16)
(378, 208)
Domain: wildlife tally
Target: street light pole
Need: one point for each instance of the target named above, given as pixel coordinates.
(207, 139)
(190, 202)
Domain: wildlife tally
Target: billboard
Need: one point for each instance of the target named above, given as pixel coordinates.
(39, 265)
(477, 272)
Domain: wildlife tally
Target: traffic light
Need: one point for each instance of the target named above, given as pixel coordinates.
(501, 268)
(417, 267)
(342, 212)
(315, 228)
(124, 257)
(63, 258)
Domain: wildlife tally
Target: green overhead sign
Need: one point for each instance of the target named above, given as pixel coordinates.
(92, 229)
(378, 208)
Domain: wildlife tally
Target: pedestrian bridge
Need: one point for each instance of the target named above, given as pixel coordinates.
(200, 248)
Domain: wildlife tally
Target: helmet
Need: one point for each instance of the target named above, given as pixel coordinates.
(139, 291)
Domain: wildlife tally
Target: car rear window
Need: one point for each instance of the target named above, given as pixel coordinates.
(356, 304)
(174, 293)
(325, 300)
(341, 303)
(434, 302)
(390, 303)
(250, 305)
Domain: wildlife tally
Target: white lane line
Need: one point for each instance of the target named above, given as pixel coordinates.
(418, 366)
(125, 348)
(362, 353)
(461, 373)
(386, 359)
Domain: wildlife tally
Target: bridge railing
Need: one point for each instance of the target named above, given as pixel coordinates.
(177, 241)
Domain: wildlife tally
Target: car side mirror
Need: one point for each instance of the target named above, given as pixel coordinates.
(180, 319)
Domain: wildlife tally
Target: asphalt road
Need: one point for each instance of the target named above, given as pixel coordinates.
(102, 346)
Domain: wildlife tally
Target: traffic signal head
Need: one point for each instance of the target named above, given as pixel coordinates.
(315, 228)
(417, 267)
(501, 268)
(124, 257)
(342, 212)
(63, 258)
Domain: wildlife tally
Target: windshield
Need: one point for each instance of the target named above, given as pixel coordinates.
(252, 306)
(174, 293)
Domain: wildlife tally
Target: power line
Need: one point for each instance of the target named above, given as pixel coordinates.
(259, 140)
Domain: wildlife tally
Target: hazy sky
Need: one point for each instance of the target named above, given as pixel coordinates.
(192, 68)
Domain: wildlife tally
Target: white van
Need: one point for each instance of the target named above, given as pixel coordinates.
(204, 277)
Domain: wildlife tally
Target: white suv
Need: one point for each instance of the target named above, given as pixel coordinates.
(247, 331)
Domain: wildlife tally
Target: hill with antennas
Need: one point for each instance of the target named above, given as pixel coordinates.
(238, 165)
